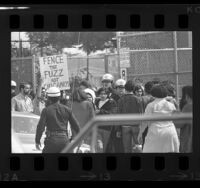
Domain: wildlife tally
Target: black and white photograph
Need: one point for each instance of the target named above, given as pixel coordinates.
(101, 92)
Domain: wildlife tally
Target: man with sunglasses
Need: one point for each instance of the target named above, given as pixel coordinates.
(107, 83)
(120, 87)
(22, 102)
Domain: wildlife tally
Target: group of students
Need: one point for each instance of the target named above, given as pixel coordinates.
(154, 98)
(121, 97)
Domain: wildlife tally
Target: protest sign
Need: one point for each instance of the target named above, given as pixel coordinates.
(54, 71)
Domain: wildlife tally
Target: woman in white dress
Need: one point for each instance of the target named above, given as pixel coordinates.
(162, 135)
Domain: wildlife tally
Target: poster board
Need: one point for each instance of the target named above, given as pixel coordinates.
(54, 71)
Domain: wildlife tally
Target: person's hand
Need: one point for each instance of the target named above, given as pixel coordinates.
(38, 146)
(140, 140)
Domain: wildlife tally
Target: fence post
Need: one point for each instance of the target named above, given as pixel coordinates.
(33, 74)
(176, 64)
(118, 54)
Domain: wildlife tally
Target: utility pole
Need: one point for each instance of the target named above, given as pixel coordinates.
(87, 60)
(118, 52)
(87, 67)
(20, 46)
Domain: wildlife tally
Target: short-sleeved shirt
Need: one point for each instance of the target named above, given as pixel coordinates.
(22, 103)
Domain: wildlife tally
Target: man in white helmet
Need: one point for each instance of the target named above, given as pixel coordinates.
(55, 119)
(107, 83)
(120, 87)
(13, 88)
(115, 143)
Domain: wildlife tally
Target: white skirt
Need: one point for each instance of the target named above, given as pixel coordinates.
(161, 139)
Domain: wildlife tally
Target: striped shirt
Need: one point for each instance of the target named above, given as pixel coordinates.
(22, 103)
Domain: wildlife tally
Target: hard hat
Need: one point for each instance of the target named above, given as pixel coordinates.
(13, 83)
(120, 82)
(53, 92)
(107, 77)
(91, 92)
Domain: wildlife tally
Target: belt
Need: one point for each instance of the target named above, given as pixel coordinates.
(56, 133)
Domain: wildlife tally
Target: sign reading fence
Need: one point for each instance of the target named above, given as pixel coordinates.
(54, 71)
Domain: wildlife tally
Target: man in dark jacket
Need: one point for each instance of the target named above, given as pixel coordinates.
(127, 104)
(55, 118)
(115, 143)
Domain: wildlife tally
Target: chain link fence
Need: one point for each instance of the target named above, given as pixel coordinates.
(159, 56)
(153, 56)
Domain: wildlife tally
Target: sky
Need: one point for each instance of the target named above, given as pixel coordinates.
(15, 36)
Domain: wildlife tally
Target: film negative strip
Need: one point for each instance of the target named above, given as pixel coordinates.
(144, 28)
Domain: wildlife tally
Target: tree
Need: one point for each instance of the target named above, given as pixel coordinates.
(41, 39)
(89, 41)
(93, 41)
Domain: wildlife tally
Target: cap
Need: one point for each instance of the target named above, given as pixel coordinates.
(107, 77)
(120, 82)
(53, 92)
(13, 83)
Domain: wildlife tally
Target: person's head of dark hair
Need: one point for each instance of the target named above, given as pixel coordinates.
(85, 83)
(22, 85)
(79, 95)
(170, 88)
(129, 86)
(148, 86)
(159, 91)
(100, 90)
(155, 82)
(187, 90)
(53, 100)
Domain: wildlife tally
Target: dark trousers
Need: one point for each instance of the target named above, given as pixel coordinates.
(55, 144)
(104, 137)
(144, 134)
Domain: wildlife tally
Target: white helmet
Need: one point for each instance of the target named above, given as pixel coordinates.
(53, 92)
(13, 83)
(107, 77)
(120, 82)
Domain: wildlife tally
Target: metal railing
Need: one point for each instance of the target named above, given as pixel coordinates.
(117, 120)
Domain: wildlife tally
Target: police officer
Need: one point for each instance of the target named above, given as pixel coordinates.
(107, 83)
(55, 118)
(115, 142)
(120, 86)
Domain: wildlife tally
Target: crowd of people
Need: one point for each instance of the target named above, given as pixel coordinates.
(59, 110)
